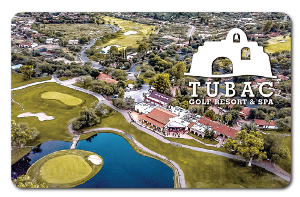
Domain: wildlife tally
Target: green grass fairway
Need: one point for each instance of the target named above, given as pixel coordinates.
(65, 168)
(125, 25)
(65, 98)
(56, 129)
(275, 44)
(17, 80)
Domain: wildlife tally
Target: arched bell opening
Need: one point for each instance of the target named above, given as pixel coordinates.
(236, 38)
(222, 65)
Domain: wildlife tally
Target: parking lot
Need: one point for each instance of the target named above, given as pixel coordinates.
(138, 94)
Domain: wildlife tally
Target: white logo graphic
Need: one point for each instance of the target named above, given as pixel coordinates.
(257, 64)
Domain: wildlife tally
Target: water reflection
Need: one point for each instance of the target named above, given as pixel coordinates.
(123, 167)
(90, 138)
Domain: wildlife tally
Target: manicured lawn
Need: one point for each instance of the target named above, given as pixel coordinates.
(65, 98)
(30, 99)
(206, 141)
(17, 80)
(128, 40)
(275, 44)
(194, 143)
(66, 168)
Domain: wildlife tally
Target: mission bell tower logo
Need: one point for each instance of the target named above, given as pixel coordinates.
(257, 64)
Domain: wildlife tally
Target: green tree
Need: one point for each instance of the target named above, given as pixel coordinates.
(209, 134)
(275, 150)
(100, 108)
(174, 102)
(142, 48)
(113, 51)
(249, 127)
(95, 73)
(179, 70)
(228, 118)
(210, 113)
(160, 82)
(27, 71)
(84, 82)
(185, 104)
(87, 117)
(269, 117)
(250, 146)
(121, 93)
(25, 181)
(21, 134)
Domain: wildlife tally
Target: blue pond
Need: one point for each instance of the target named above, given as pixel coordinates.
(123, 167)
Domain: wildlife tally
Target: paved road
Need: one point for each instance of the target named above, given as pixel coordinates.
(191, 31)
(81, 56)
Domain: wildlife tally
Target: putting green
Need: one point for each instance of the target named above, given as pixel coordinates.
(65, 98)
(65, 168)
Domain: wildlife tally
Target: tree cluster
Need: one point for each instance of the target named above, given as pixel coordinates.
(21, 134)
(25, 181)
(248, 145)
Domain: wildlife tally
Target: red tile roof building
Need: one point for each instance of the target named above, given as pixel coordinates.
(157, 117)
(106, 78)
(245, 112)
(218, 127)
(264, 124)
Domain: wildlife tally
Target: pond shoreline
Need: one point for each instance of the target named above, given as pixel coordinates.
(179, 181)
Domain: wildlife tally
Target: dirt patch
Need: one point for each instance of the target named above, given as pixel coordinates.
(41, 116)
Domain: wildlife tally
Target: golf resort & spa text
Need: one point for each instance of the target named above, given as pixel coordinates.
(230, 92)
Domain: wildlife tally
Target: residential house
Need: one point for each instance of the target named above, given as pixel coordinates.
(51, 41)
(47, 54)
(244, 113)
(106, 78)
(25, 44)
(266, 125)
(282, 77)
(73, 42)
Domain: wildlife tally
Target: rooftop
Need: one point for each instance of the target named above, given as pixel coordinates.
(106, 78)
(162, 97)
(161, 115)
(264, 123)
(219, 127)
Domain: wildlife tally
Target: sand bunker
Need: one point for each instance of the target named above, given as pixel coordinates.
(95, 159)
(130, 32)
(41, 116)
